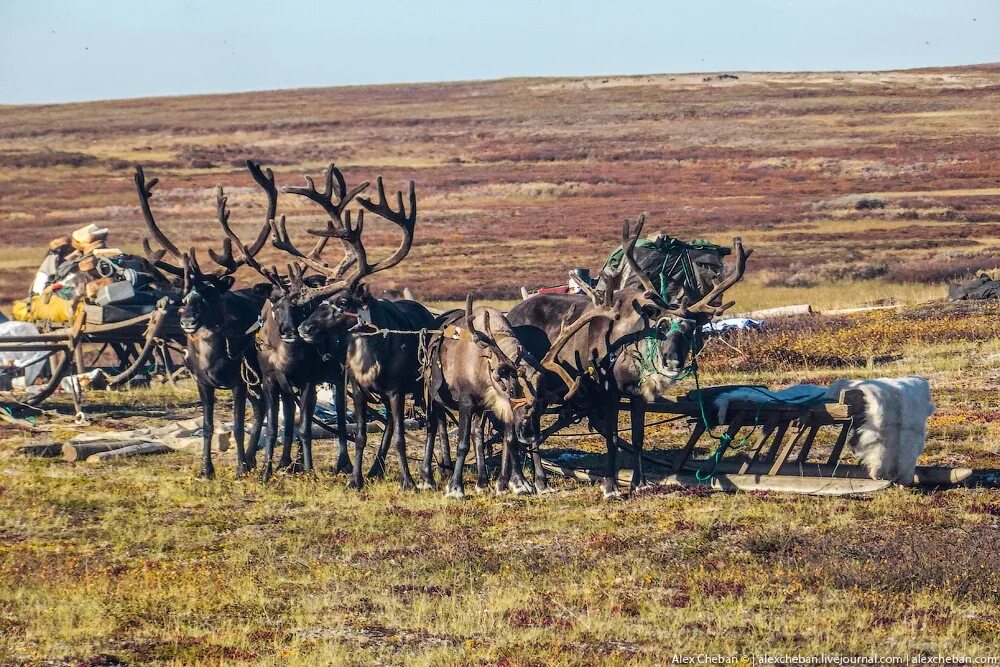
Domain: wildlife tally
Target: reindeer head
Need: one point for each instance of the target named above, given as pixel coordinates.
(201, 305)
(513, 374)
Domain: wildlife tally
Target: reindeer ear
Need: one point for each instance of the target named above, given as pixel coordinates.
(226, 283)
(361, 291)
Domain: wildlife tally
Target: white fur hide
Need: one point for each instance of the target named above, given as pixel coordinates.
(895, 427)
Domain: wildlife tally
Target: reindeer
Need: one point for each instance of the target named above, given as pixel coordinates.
(477, 366)
(382, 338)
(216, 321)
(291, 366)
(624, 342)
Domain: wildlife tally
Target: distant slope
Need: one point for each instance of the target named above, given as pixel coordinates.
(520, 180)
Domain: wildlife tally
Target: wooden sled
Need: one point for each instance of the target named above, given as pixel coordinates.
(780, 455)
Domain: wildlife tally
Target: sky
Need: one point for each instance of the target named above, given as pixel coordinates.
(75, 50)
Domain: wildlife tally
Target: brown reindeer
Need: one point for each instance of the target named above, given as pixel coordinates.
(478, 366)
(624, 342)
(292, 367)
(217, 322)
(382, 338)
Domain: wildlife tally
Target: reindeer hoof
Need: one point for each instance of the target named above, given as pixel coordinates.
(641, 486)
(522, 489)
(343, 467)
(408, 485)
(356, 484)
(457, 494)
(425, 486)
(613, 494)
(206, 474)
(501, 489)
(543, 489)
(482, 487)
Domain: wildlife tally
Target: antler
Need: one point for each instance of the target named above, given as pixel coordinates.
(566, 333)
(628, 246)
(270, 274)
(406, 222)
(351, 234)
(145, 191)
(265, 179)
(335, 211)
(704, 304)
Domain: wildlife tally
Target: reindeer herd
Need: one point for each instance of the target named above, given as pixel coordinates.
(273, 343)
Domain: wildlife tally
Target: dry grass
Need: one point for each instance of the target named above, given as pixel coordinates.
(141, 562)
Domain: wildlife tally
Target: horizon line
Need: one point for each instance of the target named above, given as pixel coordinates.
(218, 93)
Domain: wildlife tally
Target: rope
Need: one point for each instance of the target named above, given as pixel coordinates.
(250, 378)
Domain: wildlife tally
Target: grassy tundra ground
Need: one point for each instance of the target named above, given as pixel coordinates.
(853, 187)
(140, 562)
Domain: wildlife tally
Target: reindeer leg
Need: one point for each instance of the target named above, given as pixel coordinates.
(638, 419)
(519, 484)
(506, 464)
(427, 470)
(360, 433)
(271, 401)
(239, 416)
(456, 489)
(482, 475)
(340, 405)
(307, 407)
(377, 470)
(396, 410)
(610, 426)
(287, 428)
(258, 423)
(207, 395)
(446, 460)
(540, 478)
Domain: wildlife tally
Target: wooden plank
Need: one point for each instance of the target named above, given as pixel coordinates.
(785, 450)
(779, 437)
(830, 411)
(823, 486)
(838, 447)
(769, 426)
(813, 479)
(685, 454)
(807, 445)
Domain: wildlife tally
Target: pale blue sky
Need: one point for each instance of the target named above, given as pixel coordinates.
(62, 50)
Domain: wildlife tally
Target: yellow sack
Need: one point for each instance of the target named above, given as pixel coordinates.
(57, 309)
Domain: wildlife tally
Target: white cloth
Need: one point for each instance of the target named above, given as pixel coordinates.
(733, 323)
(29, 362)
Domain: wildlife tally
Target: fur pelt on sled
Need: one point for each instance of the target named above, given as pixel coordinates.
(894, 431)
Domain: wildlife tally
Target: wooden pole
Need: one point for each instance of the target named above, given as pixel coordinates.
(79, 451)
(138, 449)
